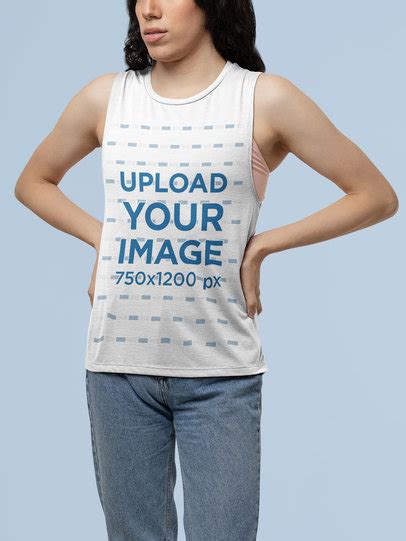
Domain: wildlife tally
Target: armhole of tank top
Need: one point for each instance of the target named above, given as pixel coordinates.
(254, 76)
(110, 105)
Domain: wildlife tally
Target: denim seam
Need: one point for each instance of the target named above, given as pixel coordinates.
(161, 390)
(95, 449)
(168, 488)
(259, 402)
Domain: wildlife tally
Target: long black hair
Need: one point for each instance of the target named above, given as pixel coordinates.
(231, 24)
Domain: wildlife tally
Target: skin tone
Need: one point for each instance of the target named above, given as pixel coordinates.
(285, 120)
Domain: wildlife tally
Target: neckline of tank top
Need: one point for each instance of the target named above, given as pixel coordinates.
(179, 101)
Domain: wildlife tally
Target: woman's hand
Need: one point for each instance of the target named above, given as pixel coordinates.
(93, 280)
(250, 277)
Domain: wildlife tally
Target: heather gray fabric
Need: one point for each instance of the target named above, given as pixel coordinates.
(180, 207)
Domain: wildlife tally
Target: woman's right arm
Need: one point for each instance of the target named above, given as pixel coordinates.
(78, 131)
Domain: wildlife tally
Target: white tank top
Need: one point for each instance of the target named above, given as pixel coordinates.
(180, 207)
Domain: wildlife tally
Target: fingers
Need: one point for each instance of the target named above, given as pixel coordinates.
(90, 293)
(259, 306)
(250, 280)
(254, 305)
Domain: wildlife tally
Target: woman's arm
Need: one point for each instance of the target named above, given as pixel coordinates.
(303, 129)
(77, 132)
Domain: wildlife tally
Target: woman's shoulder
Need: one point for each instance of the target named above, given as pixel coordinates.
(276, 95)
(92, 99)
(98, 89)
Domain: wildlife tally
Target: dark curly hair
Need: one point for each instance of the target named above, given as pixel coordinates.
(231, 24)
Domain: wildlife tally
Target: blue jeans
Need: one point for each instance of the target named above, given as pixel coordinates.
(216, 420)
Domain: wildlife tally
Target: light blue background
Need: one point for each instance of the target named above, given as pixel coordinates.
(333, 321)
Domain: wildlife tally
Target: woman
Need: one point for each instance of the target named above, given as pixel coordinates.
(189, 134)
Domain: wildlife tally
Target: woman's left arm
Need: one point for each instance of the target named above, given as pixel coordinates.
(303, 129)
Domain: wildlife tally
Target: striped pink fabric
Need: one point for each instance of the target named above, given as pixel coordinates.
(260, 171)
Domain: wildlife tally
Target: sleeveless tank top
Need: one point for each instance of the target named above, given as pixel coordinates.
(180, 207)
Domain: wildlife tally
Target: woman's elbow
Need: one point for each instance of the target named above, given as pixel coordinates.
(18, 191)
(390, 206)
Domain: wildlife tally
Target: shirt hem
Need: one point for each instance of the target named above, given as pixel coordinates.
(178, 372)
